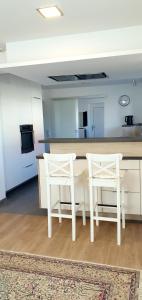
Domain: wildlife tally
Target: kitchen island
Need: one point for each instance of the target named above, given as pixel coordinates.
(130, 147)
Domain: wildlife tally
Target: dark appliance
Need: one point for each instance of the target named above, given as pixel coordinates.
(129, 120)
(27, 143)
(85, 121)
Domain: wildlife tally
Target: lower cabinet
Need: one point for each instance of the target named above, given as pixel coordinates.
(132, 195)
(29, 171)
(132, 201)
(132, 183)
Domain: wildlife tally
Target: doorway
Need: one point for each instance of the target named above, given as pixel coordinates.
(96, 120)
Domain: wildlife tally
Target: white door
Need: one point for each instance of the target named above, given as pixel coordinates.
(96, 120)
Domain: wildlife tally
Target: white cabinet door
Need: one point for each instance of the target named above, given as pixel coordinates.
(133, 206)
(132, 179)
(12, 140)
(132, 186)
(132, 201)
(37, 115)
(42, 187)
(2, 174)
(24, 104)
(16, 110)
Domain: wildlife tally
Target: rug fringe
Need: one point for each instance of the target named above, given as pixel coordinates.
(140, 287)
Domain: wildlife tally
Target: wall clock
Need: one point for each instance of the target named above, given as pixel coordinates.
(124, 100)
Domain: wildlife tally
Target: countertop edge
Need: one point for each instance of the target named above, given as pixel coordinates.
(91, 140)
(84, 157)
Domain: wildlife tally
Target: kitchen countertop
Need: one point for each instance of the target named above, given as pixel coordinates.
(92, 140)
(40, 156)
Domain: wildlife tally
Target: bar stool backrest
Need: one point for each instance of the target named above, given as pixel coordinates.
(59, 165)
(104, 165)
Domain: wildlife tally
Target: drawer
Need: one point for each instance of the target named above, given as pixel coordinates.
(27, 158)
(29, 171)
(130, 164)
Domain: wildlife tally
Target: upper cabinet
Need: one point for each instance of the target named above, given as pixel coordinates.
(37, 121)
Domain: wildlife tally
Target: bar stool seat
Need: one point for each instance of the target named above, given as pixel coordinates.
(59, 170)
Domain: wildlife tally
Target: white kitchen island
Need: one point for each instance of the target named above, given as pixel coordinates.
(132, 163)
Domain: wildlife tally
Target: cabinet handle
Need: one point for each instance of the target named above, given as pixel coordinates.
(36, 97)
(28, 166)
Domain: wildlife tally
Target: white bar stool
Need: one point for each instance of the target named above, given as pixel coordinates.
(59, 171)
(104, 171)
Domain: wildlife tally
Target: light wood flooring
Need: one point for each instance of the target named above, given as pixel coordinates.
(26, 233)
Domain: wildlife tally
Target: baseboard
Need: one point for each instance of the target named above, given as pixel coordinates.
(21, 184)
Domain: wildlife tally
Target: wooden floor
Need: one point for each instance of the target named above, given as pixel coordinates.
(25, 233)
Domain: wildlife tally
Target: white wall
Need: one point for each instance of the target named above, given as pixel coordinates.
(113, 113)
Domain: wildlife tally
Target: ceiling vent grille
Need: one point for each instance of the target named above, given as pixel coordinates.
(78, 77)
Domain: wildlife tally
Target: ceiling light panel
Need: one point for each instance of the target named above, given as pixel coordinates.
(50, 12)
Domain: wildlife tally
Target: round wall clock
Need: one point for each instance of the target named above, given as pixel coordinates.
(124, 100)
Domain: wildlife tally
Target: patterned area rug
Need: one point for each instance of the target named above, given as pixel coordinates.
(24, 276)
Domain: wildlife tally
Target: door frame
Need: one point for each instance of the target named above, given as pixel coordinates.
(97, 98)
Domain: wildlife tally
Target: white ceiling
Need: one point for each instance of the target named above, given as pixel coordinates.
(117, 68)
(19, 19)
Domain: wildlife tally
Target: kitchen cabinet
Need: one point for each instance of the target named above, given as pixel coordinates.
(133, 195)
(132, 182)
(17, 108)
(132, 202)
(38, 128)
(2, 175)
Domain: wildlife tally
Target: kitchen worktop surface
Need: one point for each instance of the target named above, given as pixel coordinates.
(92, 140)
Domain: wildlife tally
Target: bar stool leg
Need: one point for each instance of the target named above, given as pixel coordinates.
(73, 214)
(118, 217)
(83, 208)
(59, 209)
(91, 213)
(49, 211)
(123, 208)
(97, 196)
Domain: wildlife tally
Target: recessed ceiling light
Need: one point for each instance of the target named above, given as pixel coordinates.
(50, 12)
